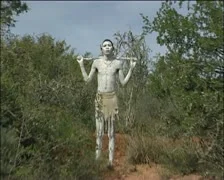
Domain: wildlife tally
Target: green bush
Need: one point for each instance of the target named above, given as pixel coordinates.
(47, 112)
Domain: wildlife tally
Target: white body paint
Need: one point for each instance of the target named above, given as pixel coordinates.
(106, 67)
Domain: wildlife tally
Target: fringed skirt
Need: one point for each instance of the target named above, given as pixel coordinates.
(106, 108)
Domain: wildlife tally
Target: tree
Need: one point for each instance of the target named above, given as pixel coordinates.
(10, 9)
(44, 111)
(130, 45)
(199, 34)
(189, 77)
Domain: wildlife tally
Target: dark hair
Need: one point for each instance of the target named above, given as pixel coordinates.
(109, 41)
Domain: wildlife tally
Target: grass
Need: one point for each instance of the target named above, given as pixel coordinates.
(178, 156)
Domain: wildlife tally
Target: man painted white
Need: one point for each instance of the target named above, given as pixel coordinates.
(106, 106)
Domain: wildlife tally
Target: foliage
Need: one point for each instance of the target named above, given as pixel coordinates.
(10, 9)
(45, 112)
(188, 80)
(130, 45)
(180, 156)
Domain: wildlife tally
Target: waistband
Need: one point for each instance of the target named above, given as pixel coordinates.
(106, 94)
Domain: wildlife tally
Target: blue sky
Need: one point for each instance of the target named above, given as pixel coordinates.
(85, 24)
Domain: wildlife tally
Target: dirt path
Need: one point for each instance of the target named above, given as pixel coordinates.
(124, 171)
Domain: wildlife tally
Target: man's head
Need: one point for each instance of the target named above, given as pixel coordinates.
(107, 47)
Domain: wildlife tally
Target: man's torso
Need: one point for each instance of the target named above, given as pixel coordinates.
(106, 74)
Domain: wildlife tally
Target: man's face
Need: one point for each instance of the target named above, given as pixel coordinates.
(107, 48)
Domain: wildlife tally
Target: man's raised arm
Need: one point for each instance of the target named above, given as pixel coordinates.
(123, 80)
(87, 78)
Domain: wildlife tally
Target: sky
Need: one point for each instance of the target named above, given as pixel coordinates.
(85, 24)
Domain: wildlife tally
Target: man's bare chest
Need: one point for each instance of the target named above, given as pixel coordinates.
(110, 68)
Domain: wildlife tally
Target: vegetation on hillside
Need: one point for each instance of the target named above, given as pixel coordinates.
(172, 108)
(185, 88)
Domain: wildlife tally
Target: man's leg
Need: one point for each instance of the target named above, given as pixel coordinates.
(99, 135)
(111, 137)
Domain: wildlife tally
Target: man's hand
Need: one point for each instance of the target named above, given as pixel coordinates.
(80, 59)
(133, 63)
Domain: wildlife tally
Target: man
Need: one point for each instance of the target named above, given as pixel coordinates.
(106, 107)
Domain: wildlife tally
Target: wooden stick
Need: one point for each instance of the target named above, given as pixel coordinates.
(120, 58)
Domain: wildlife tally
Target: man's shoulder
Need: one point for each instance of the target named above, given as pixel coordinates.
(100, 60)
(118, 61)
(97, 61)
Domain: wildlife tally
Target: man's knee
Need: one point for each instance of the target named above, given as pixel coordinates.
(99, 134)
(111, 135)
